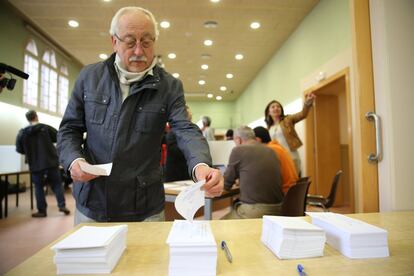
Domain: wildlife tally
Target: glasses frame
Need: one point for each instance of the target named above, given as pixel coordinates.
(142, 42)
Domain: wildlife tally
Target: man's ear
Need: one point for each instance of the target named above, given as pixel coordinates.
(114, 43)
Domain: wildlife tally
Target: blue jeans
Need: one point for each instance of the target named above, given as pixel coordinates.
(55, 181)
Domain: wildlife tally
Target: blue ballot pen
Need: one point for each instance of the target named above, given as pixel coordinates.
(227, 251)
(301, 270)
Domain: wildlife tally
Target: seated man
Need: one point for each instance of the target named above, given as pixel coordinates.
(287, 166)
(258, 170)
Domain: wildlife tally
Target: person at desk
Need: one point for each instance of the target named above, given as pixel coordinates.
(287, 167)
(175, 164)
(123, 104)
(258, 170)
(36, 142)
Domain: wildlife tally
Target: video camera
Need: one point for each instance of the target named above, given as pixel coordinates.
(10, 82)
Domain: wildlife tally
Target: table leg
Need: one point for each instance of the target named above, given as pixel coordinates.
(208, 209)
(6, 196)
(17, 189)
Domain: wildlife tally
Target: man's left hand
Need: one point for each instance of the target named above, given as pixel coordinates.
(214, 180)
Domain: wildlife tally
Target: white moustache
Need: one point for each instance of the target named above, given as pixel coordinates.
(138, 58)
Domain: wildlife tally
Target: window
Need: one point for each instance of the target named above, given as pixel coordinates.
(48, 88)
(31, 67)
(63, 89)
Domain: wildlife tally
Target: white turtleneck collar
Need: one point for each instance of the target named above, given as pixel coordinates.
(126, 78)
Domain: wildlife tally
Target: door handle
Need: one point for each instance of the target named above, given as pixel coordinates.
(375, 157)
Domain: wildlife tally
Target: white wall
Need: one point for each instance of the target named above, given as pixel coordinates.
(12, 119)
(392, 24)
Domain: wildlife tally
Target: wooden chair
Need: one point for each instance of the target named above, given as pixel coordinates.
(325, 202)
(294, 202)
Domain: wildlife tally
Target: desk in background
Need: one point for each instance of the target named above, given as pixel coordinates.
(148, 254)
(172, 189)
(4, 190)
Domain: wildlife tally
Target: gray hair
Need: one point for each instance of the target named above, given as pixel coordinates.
(206, 120)
(245, 133)
(114, 23)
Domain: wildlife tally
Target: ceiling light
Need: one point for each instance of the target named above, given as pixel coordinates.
(204, 66)
(255, 25)
(210, 24)
(201, 82)
(205, 56)
(229, 76)
(165, 24)
(107, 0)
(103, 56)
(239, 56)
(209, 95)
(218, 98)
(73, 23)
(215, 1)
(172, 55)
(176, 75)
(208, 42)
(223, 88)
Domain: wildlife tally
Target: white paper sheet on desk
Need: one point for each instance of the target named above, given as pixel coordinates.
(190, 200)
(102, 169)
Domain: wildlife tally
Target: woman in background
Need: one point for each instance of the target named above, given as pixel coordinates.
(282, 127)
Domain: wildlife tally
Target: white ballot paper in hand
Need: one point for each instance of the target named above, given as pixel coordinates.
(190, 200)
(102, 169)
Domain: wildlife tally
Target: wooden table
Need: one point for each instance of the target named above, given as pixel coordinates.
(5, 190)
(172, 189)
(148, 254)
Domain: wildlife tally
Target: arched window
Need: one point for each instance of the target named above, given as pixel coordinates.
(63, 89)
(48, 87)
(31, 67)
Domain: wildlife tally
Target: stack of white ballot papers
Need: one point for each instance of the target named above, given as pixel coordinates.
(292, 238)
(90, 250)
(193, 250)
(353, 238)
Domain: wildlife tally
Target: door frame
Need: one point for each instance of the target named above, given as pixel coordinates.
(310, 163)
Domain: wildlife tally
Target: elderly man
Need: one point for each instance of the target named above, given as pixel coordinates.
(123, 104)
(258, 170)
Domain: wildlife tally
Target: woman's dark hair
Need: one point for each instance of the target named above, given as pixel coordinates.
(268, 119)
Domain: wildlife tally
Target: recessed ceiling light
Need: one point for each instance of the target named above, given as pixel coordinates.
(107, 0)
(239, 56)
(205, 56)
(165, 24)
(255, 25)
(204, 66)
(215, 1)
(172, 55)
(208, 42)
(223, 88)
(210, 24)
(73, 23)
(201, 82)
(176, 75)
(218, 98)
(229, 76)
(103, 56)
(209, 95)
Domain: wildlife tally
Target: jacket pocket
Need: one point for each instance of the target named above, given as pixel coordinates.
(95, 107)
(150, 192)
(151, 118)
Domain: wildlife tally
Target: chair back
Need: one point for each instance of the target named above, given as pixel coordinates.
(294, 202)
(331, 197)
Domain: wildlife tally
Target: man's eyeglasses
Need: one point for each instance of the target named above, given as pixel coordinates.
(130, 42)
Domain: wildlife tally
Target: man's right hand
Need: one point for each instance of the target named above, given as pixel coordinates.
(78, 175)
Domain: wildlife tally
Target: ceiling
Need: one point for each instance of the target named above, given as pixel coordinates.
(184, 37)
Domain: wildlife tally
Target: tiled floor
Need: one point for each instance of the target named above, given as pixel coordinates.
(21, 235)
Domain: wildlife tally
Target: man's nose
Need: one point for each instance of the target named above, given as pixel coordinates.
(138, 50)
